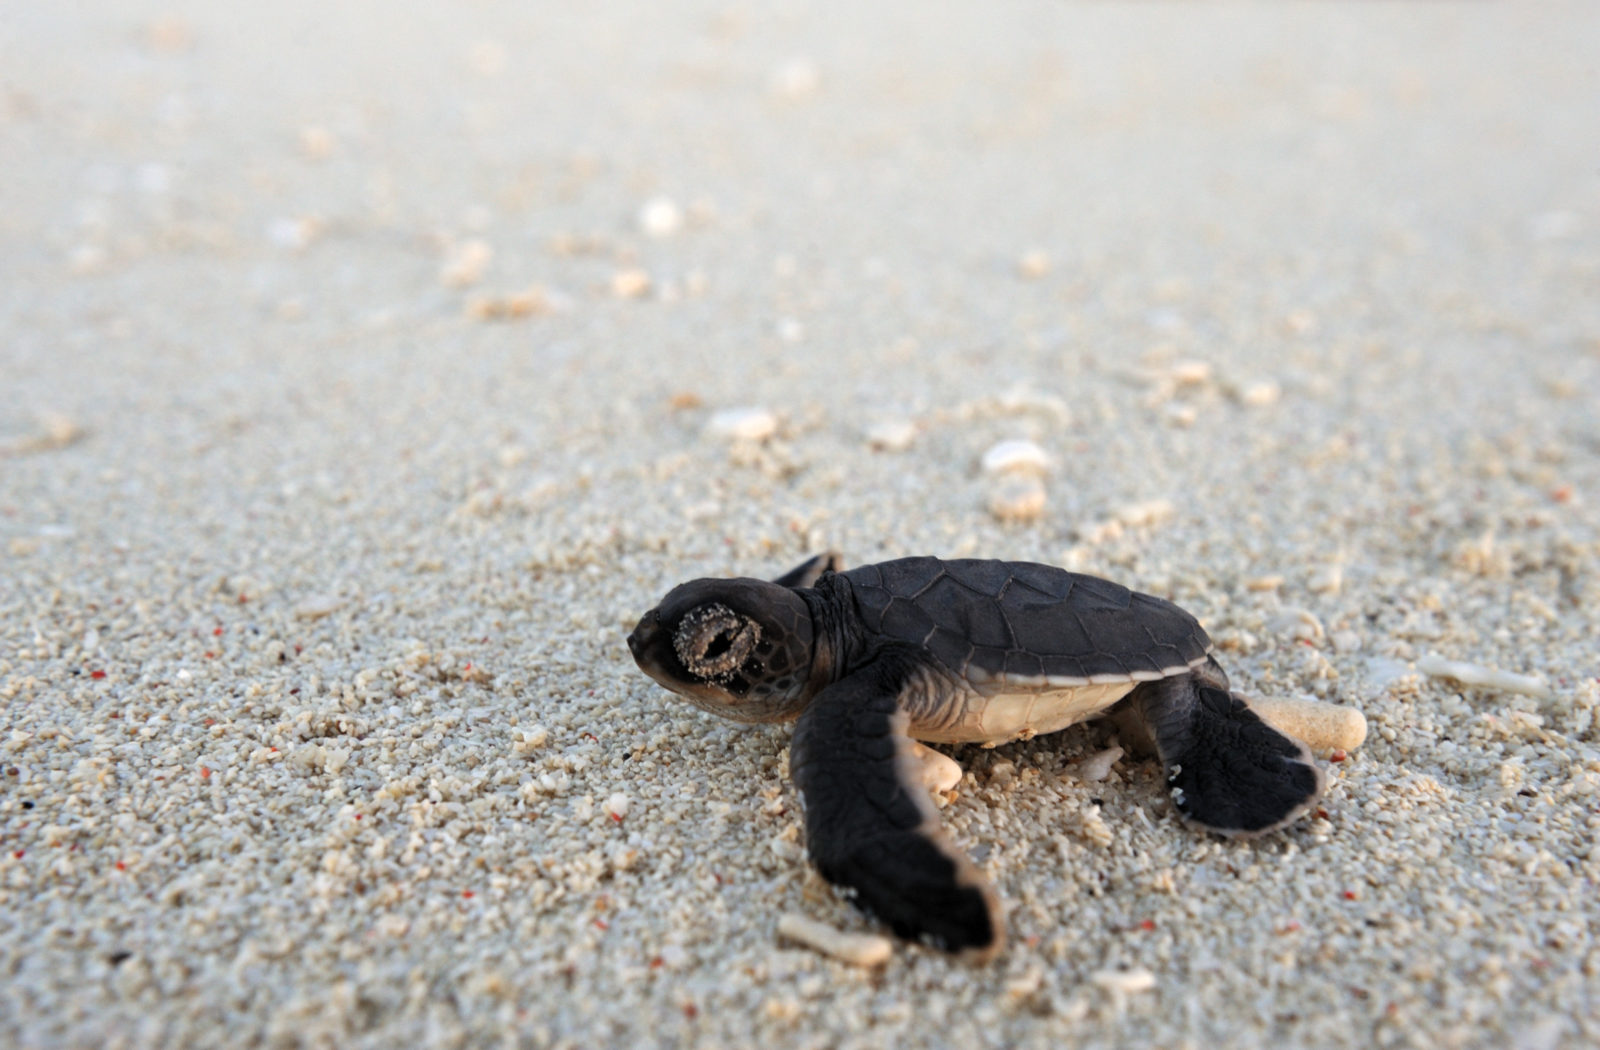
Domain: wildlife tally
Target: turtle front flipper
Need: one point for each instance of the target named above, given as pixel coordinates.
(870, 825)
(809, 571)
(1230, 772)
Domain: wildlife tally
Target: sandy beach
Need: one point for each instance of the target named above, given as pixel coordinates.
(366, 370)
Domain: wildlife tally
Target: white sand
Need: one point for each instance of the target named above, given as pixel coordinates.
(354, 390)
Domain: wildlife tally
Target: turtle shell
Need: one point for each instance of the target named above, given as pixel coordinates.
(1015, 626)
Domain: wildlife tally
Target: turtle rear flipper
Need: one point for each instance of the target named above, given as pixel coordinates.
(1230, 772)
(809, 571)
(870, 826)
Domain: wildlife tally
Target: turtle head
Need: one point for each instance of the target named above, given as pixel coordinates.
(737, 648)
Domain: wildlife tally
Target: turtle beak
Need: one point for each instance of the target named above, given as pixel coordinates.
(639, 640)
(647, 643)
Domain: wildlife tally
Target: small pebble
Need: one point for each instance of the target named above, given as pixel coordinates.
(1016, 456)
(523, 741)
(171, 35)
(857, 949)
(785, 848)
(617, 805)
(742, 424)
(1480, 555)
(1561, 387)
(1092, 826)
(1095, 532)
(569, 245)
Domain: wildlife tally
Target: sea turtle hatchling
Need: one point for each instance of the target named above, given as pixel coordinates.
(964, 651)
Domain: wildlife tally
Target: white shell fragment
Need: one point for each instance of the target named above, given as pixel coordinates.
(526, 740)
(938, 771)
(617, 805)
(1144, 512)
(533, 301)
(1259, 394)
(796, 78)
(742, 424)
(296, 234)
(1091, 826)
(317, 606)
(1320, 726)
(1329, 579)
(630, 283)
(1021, 399)
(1181, 415)
(53, 431)
(857, 949)
(660, 217)
(891, 435)
(1129, 515)
(1018, 499)
(317, 143)
(1297, 623)
(1033, 264)
(785, 848)
(1097, 766)
(465, 264)
(1124, 982)
(1018, 456)
(1483, 677)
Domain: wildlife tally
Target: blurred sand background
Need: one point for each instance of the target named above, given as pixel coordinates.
(366, 369)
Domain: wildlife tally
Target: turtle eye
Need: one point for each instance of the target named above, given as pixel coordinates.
(712, 640)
